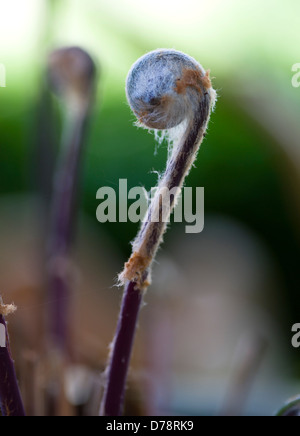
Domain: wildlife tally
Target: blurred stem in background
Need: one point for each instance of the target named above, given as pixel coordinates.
(63, 222)
(72, 75)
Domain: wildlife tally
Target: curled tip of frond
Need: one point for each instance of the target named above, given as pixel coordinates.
(164, 88)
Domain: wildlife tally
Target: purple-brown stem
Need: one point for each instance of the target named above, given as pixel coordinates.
(113, 400)
(71, 75)
(61, 235)
(10, 398)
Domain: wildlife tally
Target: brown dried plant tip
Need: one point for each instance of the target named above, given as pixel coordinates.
(71, 73)
(7, 309)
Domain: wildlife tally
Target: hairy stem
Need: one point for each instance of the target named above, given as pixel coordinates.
(149, 238)
(145, 248)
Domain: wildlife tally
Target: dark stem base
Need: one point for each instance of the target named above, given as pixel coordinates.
(10, 398)
(117, 370)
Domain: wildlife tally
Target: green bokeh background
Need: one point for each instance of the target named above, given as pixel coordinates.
(248, 173)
